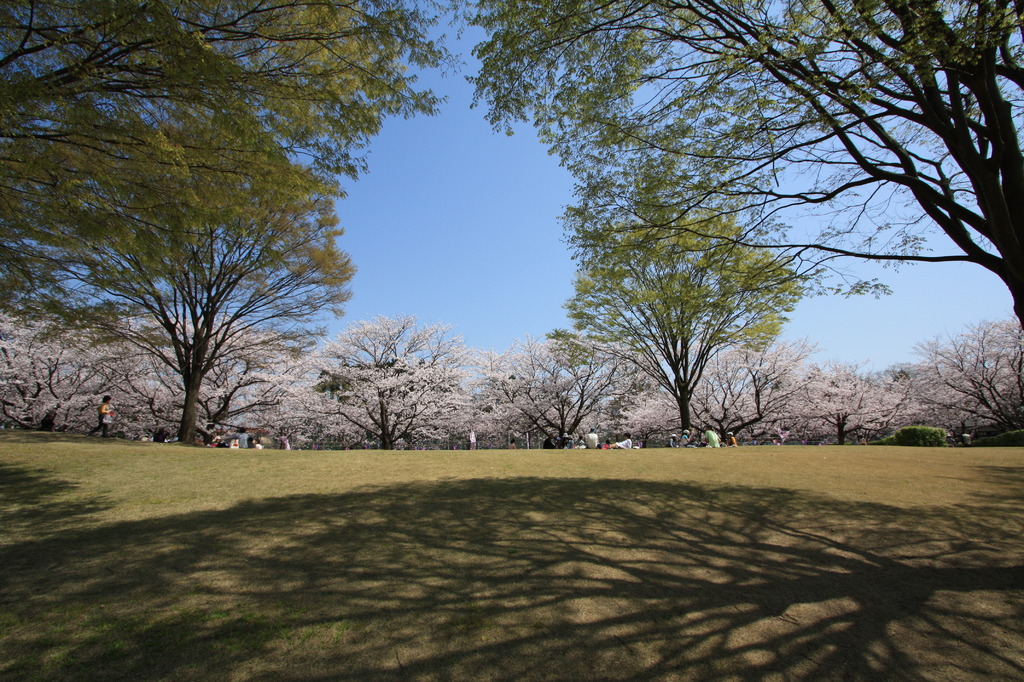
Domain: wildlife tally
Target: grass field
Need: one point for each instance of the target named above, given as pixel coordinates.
(142, 561)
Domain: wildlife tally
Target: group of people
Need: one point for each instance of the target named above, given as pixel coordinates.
(689, 439)
(590, 442)
(105, 413)
(242, 440)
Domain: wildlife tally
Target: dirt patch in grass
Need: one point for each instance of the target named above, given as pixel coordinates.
(143, 561)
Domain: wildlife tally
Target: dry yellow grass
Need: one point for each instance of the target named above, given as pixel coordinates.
(147, 561)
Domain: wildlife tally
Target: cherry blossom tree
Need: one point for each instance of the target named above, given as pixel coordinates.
(52, 378)
(979, 374)
(394, 379)
(650, 414)
(252, 374)
(750, 389)
(48, 378)
(494, 414)
(931, 402)
(841, 399)
(552, 386)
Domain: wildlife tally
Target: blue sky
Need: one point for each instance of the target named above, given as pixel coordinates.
(458, 224)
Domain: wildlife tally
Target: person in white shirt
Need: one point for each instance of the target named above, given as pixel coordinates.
(625, 444)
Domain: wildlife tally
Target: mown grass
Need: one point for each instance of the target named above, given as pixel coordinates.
(124, 560)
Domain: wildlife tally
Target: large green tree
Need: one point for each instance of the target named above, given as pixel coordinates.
(672, 304)
(864, 126)
(194, 295)
(109, 108)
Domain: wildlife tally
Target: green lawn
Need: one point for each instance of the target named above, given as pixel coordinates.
(124, 560)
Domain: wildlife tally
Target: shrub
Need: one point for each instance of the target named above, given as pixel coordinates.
(888, 440)
(1004, 440)
(920, 436)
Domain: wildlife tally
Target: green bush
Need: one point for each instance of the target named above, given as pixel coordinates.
(920, 436)
(888, 440)
(1004, 440)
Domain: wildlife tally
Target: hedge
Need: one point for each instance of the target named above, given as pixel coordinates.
(915, 436)
(920, 436)
(1004, 440)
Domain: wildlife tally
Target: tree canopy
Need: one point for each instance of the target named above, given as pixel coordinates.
(837, 127)
(189, 296)
(393, 379)
(111, 109)
(673, 303)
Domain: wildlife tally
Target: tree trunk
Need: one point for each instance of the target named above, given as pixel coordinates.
(190, 410)
(1017, 292)
(683, 401)
(840, 431)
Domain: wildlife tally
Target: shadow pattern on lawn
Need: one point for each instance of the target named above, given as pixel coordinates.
(33, 501)
(520, 579)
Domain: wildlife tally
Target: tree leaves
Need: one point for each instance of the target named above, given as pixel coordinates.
(826, 124)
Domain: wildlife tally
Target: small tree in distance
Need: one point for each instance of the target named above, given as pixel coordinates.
(841, 400)
(553, 386)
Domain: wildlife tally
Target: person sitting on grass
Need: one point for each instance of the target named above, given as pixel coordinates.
(625, 444)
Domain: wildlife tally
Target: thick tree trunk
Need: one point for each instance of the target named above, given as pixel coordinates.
(841, 431)
(190, 410)
(683, 402)
(1017, 292)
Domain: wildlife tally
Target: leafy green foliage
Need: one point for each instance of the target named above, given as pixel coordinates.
(189, 295)
(1010, 439)
(920, 436)
(116, 115)
(838, 128)
(674, 300)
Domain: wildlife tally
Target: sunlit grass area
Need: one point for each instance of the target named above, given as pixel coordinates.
(127, 560)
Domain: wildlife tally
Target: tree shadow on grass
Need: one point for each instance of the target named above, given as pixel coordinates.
(527, 578)
(1006, 484)
(34, 501)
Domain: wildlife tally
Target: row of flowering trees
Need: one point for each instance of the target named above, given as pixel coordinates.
(394, 383)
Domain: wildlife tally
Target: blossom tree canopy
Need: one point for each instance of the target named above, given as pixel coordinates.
(747, 388)
(49, 379)
(841, 399)
(554, 385)
(395, 379)
(981, 372)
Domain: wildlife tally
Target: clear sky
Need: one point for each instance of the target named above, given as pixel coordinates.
(455, 223)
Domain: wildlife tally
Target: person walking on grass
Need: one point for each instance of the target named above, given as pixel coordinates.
(106, 415)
